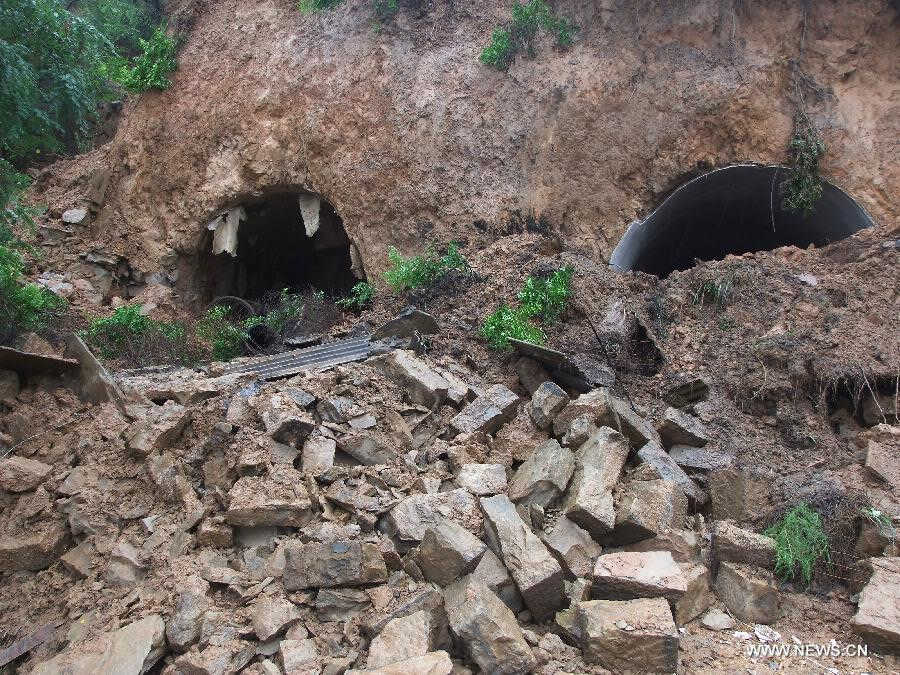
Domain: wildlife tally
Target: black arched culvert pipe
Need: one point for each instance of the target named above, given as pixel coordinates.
(733, 210)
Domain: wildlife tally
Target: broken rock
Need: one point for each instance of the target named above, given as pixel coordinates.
(749, 592)
(158, 429)
(573, 547)
(272, 616)
(433, 663)
(125, 567)
(487, 628)
(423, 384)
(735, 544)
(546, 403)
(598, 465)
(404, 638)
(20, 474)
(628, 636)
(668, 469)
(183, 629)
(543, 477)
(699, 459)
(537, 573)
(716, 619)
(411, 517)
(698, 596)
(884, 462)
(448, 551)
(877, 618)
(487, 412)
(337, 563)
(299, 655)
(680, 428)
(482, 480)
(279, 499)
(624, 576)
(604, 409)
(648, 508)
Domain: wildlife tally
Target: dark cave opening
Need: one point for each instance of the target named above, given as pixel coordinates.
(288, 239)
(733, 210)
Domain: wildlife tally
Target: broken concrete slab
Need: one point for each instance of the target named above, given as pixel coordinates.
(573, 547)
(648, 508)
(448, 551)
(157, 429)
(487, 628)
(34, 551)
(487, 412)
(277, 499)
(628, 635)
(336, 563)
(131, 650)
(680, 428)
(411, 517)
(699, 459)
(20, 474)
(543, 477)
(877, 618)
(750, 592)
(731, 543)
(482, 480)
(536, 572)
(650, 574)
(546, 403)
(604, 409)
(666, 467)
(423, 384)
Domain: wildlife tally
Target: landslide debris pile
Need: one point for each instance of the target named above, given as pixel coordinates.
(399, 515)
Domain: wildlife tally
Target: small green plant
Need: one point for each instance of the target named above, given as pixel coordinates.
(151, 68)
(384, 10)
(508, 323)
(126, 329)
(519, 35)
(224, 338)
(360, 296)
(310, 6)
(802, 189)
(800, 542)
(546, 297)
(716, 291)
(287, 309)
(406, 274)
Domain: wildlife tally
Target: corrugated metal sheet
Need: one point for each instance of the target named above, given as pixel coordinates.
(293, 362)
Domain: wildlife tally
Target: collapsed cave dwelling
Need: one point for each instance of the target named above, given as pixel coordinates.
(286, 239)
(732, 210)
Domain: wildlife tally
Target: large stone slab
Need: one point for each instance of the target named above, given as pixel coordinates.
(157, 429)
(279, 499)
(20, 474)
(749, 592)
(536, 572)
(487, 412)
(573, 547)
(411, 517)
(423, 384)
(131, 650)
(337, 563)
(637, 636)
(668, 469)
(735, 544)
(680, 428)
(546, 403)
(648, 508)
(877, 618)
(433, 663)
(598, 466)
(486, 628)
(629, 575)
(543, 477)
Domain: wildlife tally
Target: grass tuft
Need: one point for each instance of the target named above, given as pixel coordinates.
(800, 542)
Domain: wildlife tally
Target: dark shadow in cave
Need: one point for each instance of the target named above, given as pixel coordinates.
(733, 210)
(274, 251)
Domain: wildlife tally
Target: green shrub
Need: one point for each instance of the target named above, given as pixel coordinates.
(224, 338)
(360, 296)
(546, 297)
(126, 332)
(520, 33)
(384, 10)
(123, 22)
(287, 309)
(310, 6)
(800, 541)
(802, 188)
(506, 323)
(151, 68)
(406, 274)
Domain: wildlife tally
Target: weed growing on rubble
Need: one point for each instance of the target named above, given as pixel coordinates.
(519, 34)
(152, 67)
(715, 291)
(800, 541)
(127, 332)
(546, 297)
(406, 274)
(507, 323)
(225, 338)
(310, 6)
(360, 296)
(802, 188)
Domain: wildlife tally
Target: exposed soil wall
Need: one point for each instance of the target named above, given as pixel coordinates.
(412, 139)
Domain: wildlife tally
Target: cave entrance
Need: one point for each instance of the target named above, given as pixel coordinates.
(288, 239)
(732, 210)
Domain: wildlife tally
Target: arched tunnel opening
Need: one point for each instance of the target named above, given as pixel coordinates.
(733, 210)
(289, 239)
